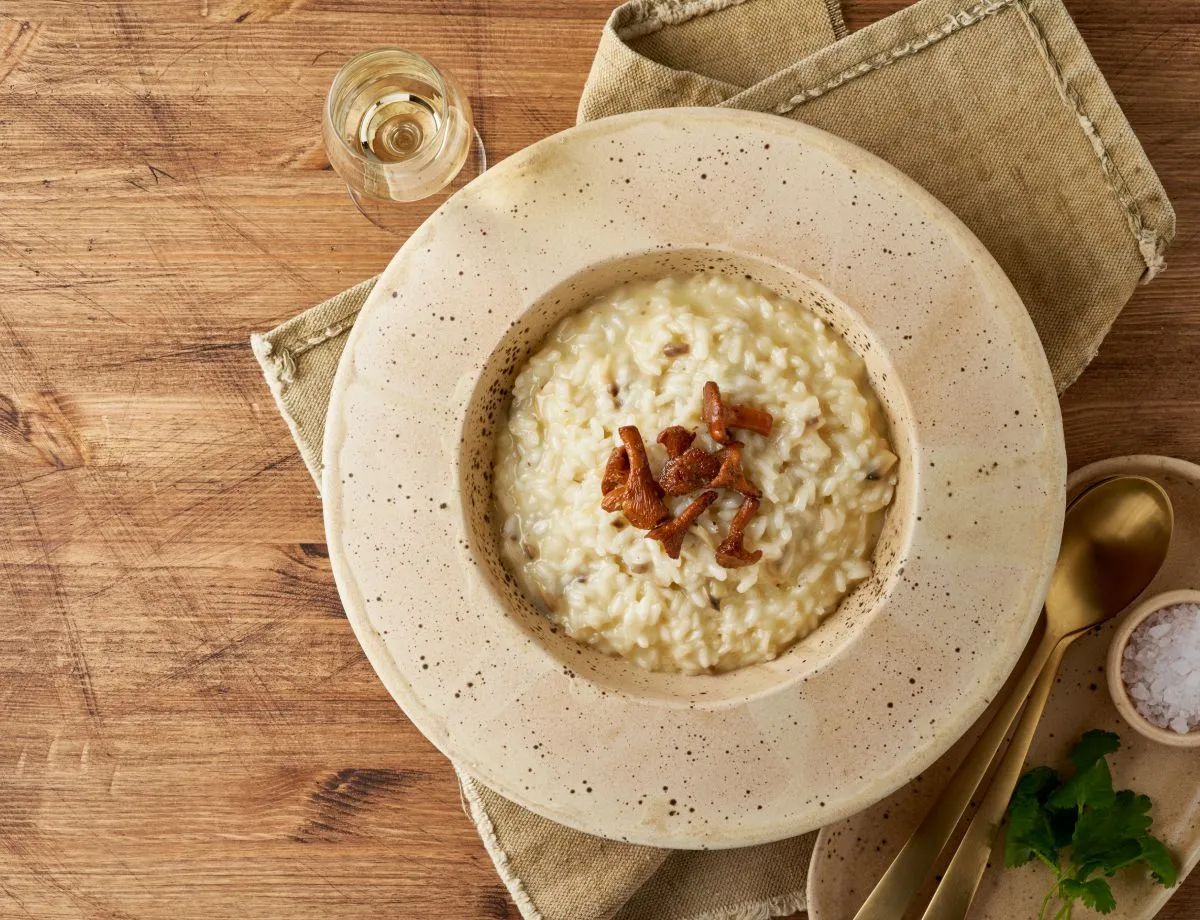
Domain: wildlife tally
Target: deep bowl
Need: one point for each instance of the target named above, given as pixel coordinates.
(485, 415)
(849, 713)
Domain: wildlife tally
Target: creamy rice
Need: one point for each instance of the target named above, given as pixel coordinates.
(826, 473)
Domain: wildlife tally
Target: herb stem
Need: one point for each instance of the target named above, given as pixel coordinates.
(1046, 900)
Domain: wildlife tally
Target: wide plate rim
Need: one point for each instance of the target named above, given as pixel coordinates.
(777, 827)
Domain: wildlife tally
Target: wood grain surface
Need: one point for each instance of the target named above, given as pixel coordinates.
(188, 728)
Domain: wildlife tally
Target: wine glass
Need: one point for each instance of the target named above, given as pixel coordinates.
(399, 133)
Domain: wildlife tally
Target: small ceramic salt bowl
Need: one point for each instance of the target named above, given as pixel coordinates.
(1116, 682)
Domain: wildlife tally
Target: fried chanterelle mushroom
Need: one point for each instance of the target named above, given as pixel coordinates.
(731, 553)
(687, 468)
(640, 498)
(730, 474)
(671, 534)
(676, 440)
(720, 417)
(616, 474)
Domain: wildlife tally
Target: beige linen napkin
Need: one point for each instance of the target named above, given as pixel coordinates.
(997, 108)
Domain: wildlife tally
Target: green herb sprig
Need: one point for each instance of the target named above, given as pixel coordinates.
(1104, 830)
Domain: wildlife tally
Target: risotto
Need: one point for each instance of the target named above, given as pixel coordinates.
(640, 356)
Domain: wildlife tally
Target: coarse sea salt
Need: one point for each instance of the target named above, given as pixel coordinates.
(1161, 668)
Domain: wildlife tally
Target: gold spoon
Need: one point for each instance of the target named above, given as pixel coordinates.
(1112, 548)
(1106, 503)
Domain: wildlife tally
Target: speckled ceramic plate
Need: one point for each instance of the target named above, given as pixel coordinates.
(853, 854)
(908, 661)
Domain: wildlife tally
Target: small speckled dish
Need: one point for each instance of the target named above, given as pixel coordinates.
(1116, 684)
(849, 713)
(852, 854)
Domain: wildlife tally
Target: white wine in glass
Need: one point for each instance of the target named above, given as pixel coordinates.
(398, 130)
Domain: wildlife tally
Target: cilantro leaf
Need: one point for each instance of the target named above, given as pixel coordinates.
(1091, 786)
(1093, 746)
(1108, 839)
(1095, 894)
(1029, 831)
(1158, 859)
(1037, 784)
(1029, 835)
(1082, 829)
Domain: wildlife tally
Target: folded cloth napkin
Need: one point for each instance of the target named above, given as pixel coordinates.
(996, 107)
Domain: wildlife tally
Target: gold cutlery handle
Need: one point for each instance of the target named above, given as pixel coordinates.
(907, 873)
(955, 892)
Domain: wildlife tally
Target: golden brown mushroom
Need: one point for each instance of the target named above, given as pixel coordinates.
(616, 471)
(640, 498)
(676, 440)
(731, 553)
(671, 534)
(720, 417)
(690, 471)
(730, 475)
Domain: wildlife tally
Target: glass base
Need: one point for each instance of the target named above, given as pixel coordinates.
(403, 217)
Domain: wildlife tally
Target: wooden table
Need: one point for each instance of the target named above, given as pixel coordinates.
(187, 726)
